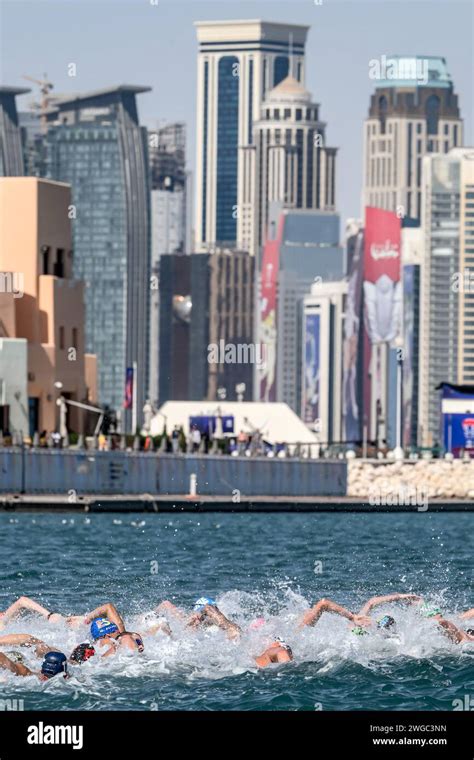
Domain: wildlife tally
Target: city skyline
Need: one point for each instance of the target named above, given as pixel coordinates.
(332, 67)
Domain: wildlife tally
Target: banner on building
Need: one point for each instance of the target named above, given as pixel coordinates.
(351, 407)
(128, 400)
(312, 364)
(383, 303)
(268, 315)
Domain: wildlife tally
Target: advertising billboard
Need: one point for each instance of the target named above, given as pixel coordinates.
(351, 411)
(382, 305)
(311, 372)
(266, 377)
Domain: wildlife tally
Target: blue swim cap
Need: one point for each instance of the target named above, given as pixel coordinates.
(101, 627)
(54, 663)
(385, 622)
(202, 602)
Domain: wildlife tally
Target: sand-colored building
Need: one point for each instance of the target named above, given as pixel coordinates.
(41, 303)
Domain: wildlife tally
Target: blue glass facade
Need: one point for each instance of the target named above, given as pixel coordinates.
(99, 148)
(281, 68)
(87, 157)
(227, 145)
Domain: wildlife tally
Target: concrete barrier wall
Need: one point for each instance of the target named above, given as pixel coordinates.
(118, 472)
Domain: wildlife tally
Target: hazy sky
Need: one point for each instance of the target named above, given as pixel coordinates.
(139, 42)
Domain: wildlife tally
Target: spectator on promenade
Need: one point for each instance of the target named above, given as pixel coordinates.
(175, 436)
(195, 438)
(242, 440)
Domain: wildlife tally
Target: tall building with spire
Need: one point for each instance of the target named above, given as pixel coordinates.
(414, 111)
(294, 167)
(238, 63)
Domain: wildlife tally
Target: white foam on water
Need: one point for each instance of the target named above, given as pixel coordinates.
(208, 654)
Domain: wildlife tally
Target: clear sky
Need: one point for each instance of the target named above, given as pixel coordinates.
(144, 42)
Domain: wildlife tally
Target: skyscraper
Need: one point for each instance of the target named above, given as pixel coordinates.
(238, 62)
(11, 150)
(170, 190)
(293, 165)
(413, 111)
(447, 295)
(95, 143)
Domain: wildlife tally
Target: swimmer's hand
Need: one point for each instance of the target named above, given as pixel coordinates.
(195, 620)
(362, 620)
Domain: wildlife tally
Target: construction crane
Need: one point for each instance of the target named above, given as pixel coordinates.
(46, 99)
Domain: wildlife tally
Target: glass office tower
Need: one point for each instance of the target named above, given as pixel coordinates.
(95, 143)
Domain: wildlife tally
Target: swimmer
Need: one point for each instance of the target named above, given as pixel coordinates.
(277, 653)
(205, 612)
(154, 623)
(468, 614)
(25, 603)
(53, 664)
(108, 630)
(360, 619)
(80, 653)
(455, 634)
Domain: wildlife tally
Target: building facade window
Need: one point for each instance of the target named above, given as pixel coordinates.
(227, 146)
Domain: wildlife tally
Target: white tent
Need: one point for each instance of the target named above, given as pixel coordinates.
(276, 422)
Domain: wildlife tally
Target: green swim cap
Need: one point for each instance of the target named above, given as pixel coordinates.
(427, 610)
(359, 631)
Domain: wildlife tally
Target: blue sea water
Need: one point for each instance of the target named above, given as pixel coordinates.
(270, 565)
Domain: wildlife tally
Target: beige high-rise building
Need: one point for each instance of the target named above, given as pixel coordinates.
(42, 304)
(414, 111)
(238, 63)
(447, 282)
(293, 164)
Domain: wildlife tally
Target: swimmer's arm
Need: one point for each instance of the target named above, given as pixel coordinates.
(324, 605)
(213, 614)
(24, 603)
(14, 667)
(25, 640)
(468, 614)
(109, 611)
(452, 631)
(74, 620)
(273, 655)
(375, 601)
(110, 651)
